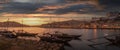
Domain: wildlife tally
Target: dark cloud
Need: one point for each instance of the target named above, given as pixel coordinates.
(39, 1)
(69, 6)
(75, 0)
(110, 5)
(76, 9)
(20, 7)
(110, 2)
(16, 7)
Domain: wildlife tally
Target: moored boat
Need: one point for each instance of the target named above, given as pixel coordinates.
(54, 39)
(115, 41)
(63, 35)
(23, 33)
(8, 33)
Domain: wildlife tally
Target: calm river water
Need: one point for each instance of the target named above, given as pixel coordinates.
(83, 43)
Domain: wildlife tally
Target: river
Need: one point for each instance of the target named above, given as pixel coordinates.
(79, 44)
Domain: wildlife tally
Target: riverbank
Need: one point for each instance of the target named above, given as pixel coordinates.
(23, 44)
(70, 27)
(78, 28)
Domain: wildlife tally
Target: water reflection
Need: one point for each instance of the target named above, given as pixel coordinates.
(76, 44)
(95, 34)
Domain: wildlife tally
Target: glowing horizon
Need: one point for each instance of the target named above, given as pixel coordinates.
(38, 19)
(33, 21)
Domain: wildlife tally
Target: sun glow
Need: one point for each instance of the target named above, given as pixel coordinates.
(32, 21)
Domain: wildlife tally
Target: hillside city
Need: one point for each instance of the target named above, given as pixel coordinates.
(111, 21)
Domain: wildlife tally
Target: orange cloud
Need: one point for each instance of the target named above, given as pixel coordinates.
(60, 6)
(26, 15)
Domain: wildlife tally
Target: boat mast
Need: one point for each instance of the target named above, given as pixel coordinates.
(72, 26)
(58, 25)
(50, 25)
(22, 25)
(7, 23)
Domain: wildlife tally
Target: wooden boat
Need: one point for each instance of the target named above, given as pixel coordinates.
(63, 35)
(26, 34)
(53, 39)
(23, 33)
(66, 36)
(115, 41)
(7, 33)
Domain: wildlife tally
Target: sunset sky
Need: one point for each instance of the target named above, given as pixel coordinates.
(36, 12)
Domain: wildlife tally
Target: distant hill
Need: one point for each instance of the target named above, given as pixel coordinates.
(12, 24)
(64, 24)
(76, 24)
